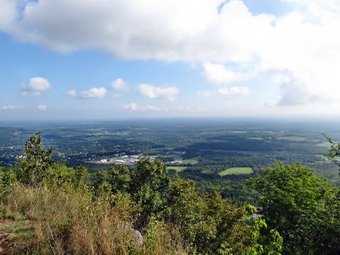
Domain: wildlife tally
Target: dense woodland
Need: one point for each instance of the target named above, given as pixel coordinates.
(47, 207)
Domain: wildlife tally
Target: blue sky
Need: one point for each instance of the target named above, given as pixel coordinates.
(108, 59)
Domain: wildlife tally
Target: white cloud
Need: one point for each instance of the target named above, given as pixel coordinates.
(7, 13)
(295, 93)
(31, 94)
(119, 84)
(282, 78)
(234, 91)
(206, 93)
(8, 107)
(37, 84)
(190, 109)
(304, 42)
(143, 29)
(215, 73)
(94, 93)
(151, 91)
(71, 93)
(114, 95)
(35, 87)
(42, 107)
(134, 107)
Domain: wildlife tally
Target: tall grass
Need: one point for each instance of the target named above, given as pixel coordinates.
(73, 222)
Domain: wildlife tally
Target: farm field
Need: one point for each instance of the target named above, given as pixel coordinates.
(237, 170)
(176, 168)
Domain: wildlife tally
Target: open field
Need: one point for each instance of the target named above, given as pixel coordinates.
(191, 161)
(324, 144)
(236, 170)
(292, 138)
(176, 168)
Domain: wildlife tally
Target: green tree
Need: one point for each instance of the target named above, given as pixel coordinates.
(148, 187)
(101, 183)
(119, 178)
(67, 177)
(302, 207)
(334, 151)
(269, 244)
(209, 224)
(7, 178)
(36, 162)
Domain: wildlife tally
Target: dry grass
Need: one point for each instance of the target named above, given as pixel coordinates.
(73, 223)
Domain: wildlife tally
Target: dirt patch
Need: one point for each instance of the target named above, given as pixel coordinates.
(4, 237)
(4, 243)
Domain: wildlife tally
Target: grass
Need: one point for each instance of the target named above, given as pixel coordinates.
(236, 170)
(324, 144)
(176, 168)
(292, 138)
(44, 221)
(256, 138)
(192, 161)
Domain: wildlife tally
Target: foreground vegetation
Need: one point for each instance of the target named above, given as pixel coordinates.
(49, 208)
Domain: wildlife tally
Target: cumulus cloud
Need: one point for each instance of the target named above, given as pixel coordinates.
(8, 107)
(226, 92)
(143, 29)
(7, 13)
(305, 41)
(115, 95)
(31, 94)
(233, 91)
(42, 107)
(71, 93)
(215, 73)
(119, 84)
(168, 93)
(189, 109)
(37, 83)
(295, 93)
(133, 107)
(35, 87)
(94, 93)
(206, 93)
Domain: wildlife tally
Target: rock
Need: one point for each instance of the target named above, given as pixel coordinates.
(138, 236)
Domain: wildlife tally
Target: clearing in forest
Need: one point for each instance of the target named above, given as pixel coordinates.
(236, 170)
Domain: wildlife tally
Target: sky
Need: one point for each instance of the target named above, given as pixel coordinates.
(113, 59)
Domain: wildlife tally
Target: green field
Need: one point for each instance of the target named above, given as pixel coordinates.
(292, 138)
(191, 161)
(237, 170)
(324, 144)
(256, 138)
(176, 168)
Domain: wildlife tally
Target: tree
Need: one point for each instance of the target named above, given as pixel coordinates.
(119, 178)
(209, 224)
(7, 177)
(148, 187)
(36, 161)
(59, 175)
(302, 207)
(334, 151)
